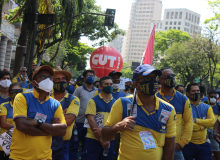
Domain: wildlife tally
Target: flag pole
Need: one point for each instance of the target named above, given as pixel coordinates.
(135, 91)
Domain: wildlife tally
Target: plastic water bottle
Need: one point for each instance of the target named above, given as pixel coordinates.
(106, 150)
(75, 135)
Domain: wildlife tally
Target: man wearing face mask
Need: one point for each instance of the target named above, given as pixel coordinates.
(180, 88)
(22, 78)
(184, 123)
(70, 105)
(84, 93)
(150, 132)
(212, 96)
(97, 113)
(33, 113)
(203, 118)
(5, 82)
(128, 84)
(117, 93)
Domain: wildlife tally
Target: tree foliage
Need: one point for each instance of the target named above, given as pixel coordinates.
(126, 70)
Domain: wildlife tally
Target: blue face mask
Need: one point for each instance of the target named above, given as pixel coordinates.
(60, 86)
(108, 89)
(149, 87)
(90, 80)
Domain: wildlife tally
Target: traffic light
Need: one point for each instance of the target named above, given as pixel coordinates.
(109, 20)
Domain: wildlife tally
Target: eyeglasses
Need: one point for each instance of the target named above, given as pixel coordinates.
(24, 71)
(43, 77)
(148, 78)
(170, 75)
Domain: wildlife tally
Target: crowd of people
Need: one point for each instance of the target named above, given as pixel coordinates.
(52, 115)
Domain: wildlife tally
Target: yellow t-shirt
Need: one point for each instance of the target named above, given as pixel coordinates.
(132, 145)
(72, 109)
(97, 105)
(27, 147)
(6, 110)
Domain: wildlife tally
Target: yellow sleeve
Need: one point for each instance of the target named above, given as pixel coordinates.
(96, 93)
(171, 125)
(91, 108)
(197, 127)
(74, 107)
(3, 111)
(188, 125)
(59, 113)
(219, 119)
(207, 122)
(19, 106)
(115, 115)
(76, 86)
(14, 80)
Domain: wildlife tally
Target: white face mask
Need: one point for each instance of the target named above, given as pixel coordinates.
(212, 100)
(72, 82)
(5, 83)
(45, 85)
(116, 86)
(217, 96)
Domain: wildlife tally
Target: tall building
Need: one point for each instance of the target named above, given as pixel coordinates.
(181, 19)
(117, 43)
(143, 12)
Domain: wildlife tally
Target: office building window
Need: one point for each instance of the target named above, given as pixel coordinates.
(178, 28)
(175, 23)
(168, 15)
(189, 17)
(195, 19)
(198, 20)
(179, 23)
(192, 17)
(186, 15)
(170, 27)
(180, 15)
(191, 28)
(174, 27)
(160, 25)
(165, 28)
(172, 14)
(171, 22)
(166, 22)
(176, 15)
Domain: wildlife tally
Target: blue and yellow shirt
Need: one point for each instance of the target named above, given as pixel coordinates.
(131, 144)
(204, 98)
(6, 110)
(97, 105)
(24, 84)
(3, 99)
(215, 111)
(184, 123)
(27, 105)
(200, 113)
(115, 95)
(73, 108)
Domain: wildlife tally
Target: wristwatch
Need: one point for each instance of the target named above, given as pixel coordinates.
(39, 123)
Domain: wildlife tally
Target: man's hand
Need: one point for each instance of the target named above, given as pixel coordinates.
(97, 132)
(64, 111)
(74, 127)
(55, 120)
(216, 137)
(178, 147)
(104, 144)
(126, 124)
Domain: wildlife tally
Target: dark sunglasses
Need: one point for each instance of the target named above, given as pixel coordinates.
(24, 71)
(43, 77)
(170, 75)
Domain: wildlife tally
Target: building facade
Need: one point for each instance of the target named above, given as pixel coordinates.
(117, 43)
(182, 19)
(143, 12)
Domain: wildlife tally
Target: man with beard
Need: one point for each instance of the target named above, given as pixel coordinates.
(184, 123)
(70, 105)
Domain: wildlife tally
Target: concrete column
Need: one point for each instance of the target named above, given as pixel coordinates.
(8, 55)
(3, 46)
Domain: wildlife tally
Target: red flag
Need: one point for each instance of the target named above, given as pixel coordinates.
(149, 49)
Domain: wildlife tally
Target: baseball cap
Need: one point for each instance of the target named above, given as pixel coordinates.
(213, 91)
(45, 67)
(80, 77)
(66, 73)
(114, 72)
(145, 70)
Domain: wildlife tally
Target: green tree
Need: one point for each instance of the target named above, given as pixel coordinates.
(126, 70)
